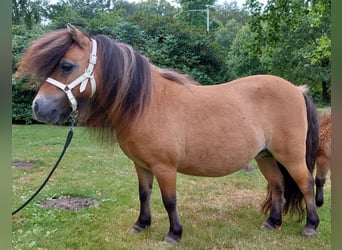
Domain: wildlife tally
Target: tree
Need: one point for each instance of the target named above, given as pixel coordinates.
(293, 41)
(232, 20)
(173, 43)
(230, 11)
(157, 7)
(78, 12)
(28, 13)
(241, 60)
(22, 91)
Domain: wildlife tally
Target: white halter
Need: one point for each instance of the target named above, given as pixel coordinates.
(83, 80)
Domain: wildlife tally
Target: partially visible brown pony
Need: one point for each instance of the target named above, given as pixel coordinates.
(167, 124)
(323, 155)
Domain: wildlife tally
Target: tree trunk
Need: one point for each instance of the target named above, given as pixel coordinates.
(325, 92)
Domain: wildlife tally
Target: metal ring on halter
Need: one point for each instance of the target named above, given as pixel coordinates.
(73, 116)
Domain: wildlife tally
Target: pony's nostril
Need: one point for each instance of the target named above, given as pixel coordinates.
(35, 107)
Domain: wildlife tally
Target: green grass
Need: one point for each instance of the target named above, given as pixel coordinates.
(216, 213)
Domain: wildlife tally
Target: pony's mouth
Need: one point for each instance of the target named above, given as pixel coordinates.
(55, 117)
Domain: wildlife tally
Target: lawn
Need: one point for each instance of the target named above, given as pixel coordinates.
(217, 213)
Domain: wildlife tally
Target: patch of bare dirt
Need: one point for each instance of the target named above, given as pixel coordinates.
(23, 165)
(70, 203)
(24, 179)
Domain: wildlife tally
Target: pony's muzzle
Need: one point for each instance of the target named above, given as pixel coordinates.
(49, 110)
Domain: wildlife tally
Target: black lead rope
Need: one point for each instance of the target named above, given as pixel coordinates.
(66, 144)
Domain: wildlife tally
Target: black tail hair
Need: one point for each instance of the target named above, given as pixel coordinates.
(312, 138)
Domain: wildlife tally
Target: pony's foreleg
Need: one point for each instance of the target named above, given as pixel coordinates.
(275, 198)
(167, 182)
(322, 171)
(145, 178)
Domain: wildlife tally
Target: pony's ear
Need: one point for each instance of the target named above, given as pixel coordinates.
(78, 36)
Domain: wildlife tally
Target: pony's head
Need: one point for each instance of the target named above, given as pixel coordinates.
(63, 62)
(107, 82)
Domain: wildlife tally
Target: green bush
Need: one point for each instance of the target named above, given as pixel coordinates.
(22, 97)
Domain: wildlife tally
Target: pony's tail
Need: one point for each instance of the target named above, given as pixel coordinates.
(312, 137)
(294, 202)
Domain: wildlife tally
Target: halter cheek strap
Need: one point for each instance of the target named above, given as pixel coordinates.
(83, 80)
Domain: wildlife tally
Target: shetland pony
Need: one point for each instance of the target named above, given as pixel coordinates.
(166, 123)
(323, 155)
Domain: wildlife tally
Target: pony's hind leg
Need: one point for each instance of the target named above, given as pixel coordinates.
(322, 171)
(145, 179)
(275, 197)
(305, 182)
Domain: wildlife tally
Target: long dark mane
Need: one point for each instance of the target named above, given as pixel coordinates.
(125, 89)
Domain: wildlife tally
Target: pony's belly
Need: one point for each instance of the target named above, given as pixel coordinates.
(211, 169)
(219, 158)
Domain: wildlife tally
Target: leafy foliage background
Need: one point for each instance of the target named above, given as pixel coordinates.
(288, 38)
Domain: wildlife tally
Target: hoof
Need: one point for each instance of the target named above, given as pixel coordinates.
(137, 229)
(169, 240)
(319, 202)
(268, 227)
(309, 232)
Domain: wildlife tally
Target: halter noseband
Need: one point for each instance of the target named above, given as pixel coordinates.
(83, 80)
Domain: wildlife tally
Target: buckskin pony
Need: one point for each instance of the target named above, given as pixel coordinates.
(167, 123)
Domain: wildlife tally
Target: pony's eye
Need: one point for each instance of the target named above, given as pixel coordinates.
(66, 67)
